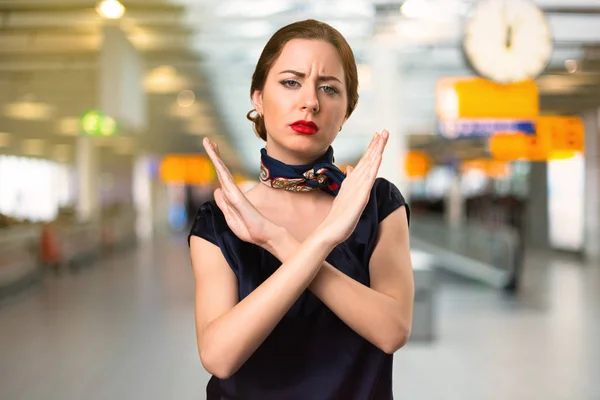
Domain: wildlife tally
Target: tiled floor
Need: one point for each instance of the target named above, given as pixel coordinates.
(123, 329)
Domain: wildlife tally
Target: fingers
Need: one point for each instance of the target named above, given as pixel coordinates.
(367, 152)
(223, 173)
(368, 166)
(376, 156)
(372, 145)
(230, 197)
(375, 149)
(385, 135)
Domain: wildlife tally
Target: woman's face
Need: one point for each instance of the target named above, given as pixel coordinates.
(304, 101)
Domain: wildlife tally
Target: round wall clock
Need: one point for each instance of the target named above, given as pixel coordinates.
(507, 40)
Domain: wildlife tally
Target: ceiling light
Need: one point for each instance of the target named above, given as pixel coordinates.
(414, 8)
(186, 98)
(29, 110)
(164, 80)
(110, 9)
(571, 66)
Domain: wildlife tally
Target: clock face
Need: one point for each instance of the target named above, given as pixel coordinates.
(508, 40)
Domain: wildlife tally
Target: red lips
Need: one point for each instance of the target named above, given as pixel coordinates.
(305, 127)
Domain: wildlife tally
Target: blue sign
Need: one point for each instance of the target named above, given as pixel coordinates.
(473, 128)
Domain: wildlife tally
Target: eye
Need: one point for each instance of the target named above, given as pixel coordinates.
(290, 83)
(329, 89)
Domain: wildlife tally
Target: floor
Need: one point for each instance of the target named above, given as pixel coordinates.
(123, 329)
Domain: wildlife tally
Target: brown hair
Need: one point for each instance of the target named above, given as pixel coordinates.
(308, 29)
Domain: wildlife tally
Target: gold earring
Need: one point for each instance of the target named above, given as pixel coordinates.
(341, 128)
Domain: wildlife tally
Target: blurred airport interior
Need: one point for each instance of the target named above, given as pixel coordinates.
(494, 112)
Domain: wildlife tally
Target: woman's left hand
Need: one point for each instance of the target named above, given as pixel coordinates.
(242, 217)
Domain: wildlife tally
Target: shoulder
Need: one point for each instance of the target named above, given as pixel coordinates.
(208, 223)
(387, 198)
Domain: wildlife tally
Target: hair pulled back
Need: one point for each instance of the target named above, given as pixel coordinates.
(308, 29)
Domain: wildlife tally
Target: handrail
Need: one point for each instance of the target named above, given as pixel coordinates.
(472, 249)
(18, 256)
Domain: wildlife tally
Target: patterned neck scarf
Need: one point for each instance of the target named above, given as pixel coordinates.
(321, 175)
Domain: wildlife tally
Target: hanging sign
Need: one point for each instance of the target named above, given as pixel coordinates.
(417, 164)
(478, 98)
(556, 137)
(186, 169)
(471, 128)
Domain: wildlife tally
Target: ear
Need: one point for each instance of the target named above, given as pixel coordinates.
(257, 101)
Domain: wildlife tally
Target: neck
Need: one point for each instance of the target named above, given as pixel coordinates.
(292, 158)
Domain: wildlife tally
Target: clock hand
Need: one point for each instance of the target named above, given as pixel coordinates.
(508, 40)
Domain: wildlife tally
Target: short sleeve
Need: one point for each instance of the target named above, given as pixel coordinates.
(205, 224)
(210, 225)
(389, 199)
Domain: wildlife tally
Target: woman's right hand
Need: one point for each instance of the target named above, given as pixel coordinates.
(354, 192)
(245, 221)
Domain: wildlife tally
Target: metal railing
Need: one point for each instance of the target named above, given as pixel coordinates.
(18, 257)
(476, 251)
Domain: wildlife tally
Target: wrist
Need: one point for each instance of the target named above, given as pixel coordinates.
(283, 245)
(324, 236)
(279, 243)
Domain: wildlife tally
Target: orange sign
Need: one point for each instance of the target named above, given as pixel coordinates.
(509, 146)
(417, 164)
(564, 133)
(187, 169)
(470, 97)
(555, 137)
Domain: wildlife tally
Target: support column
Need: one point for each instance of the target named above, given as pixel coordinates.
(142, 197)
(455, 209)
(592, 186)
(87, 207)
(122, 96)
(121, 91)
(537, 207)
(386, 76)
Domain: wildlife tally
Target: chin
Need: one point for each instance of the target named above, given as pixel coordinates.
(307, 145)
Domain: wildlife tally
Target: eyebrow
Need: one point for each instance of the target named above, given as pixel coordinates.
(303, 75)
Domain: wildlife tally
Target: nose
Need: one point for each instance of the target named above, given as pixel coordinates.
(309, 100)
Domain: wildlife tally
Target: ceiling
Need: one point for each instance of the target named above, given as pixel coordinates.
(49, 48)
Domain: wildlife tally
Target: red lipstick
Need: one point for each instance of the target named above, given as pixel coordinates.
(305, 127)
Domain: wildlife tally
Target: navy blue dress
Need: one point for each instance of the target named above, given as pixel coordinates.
(311, 354)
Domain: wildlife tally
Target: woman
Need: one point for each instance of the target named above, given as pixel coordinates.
(304, 285)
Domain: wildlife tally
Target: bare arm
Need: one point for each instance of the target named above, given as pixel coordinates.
(382, 313)
(229, 333)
